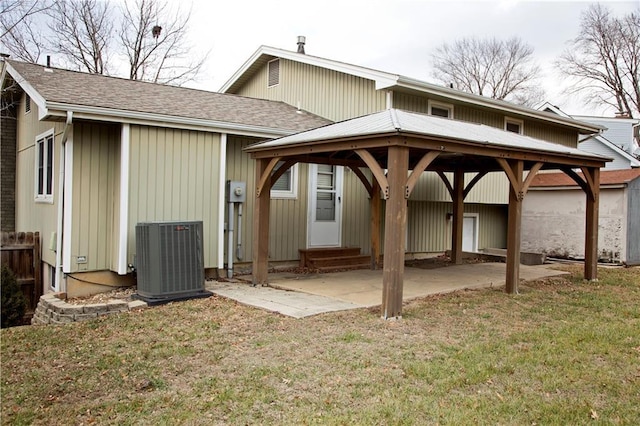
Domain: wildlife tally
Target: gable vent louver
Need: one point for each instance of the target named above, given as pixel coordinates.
(274, 73)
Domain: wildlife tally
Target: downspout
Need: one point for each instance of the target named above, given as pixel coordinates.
(59, 233)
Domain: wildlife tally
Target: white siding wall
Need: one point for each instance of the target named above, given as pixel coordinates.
(553, 221)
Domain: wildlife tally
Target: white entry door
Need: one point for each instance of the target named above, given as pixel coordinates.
(325, 206)
(470, 233)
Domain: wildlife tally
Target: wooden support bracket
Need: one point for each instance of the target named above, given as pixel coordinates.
(418, 170)
(363, 179)
(266, 174)
(375, 168)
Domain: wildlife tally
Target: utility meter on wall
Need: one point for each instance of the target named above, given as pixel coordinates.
(236, 191)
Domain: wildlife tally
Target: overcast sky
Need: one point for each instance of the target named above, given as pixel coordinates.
(394, 35)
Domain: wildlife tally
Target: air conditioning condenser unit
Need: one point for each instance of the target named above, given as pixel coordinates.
(170, 261)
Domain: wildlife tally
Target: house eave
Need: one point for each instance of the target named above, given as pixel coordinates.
(28, 89)
(58, 110)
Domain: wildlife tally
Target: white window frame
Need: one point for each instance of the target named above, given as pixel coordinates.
(440, 105)
(269, 73)
(293, 192)
(44, 197)
(511, 120)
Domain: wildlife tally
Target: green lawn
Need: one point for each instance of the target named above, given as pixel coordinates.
(562, 352)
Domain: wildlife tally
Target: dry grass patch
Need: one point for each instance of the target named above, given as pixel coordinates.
(564, 351)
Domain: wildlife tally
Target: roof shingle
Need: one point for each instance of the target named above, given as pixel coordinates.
(112, 93)
(607, 177)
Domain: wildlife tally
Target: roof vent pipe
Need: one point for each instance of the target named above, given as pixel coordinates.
(48, 61)
(301, 42)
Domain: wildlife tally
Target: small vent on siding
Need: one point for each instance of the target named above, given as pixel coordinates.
(27, 104)
(274, 73)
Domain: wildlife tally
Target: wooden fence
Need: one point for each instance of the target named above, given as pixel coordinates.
(21, 253)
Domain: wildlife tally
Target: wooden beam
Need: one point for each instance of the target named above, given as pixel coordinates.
(377, 171)
(364, 180)
(458, 216)
(591, 231)
(375, 204)
(394, 234)
(514, 170)
(418, 170)
(261, 224)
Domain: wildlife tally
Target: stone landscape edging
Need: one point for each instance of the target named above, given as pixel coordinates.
(53, 309)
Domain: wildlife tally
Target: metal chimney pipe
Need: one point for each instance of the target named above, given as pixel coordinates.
(301, 42)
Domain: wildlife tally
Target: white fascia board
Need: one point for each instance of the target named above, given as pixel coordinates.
(29, 90)
(159, 120)
(382, 79)
(506, 107)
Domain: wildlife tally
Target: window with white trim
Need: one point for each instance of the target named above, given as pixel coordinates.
(273, 69)
(513, 125)
(440, 109)
(287, 185)
(44, 167)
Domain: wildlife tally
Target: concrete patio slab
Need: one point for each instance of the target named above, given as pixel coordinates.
(302, 295)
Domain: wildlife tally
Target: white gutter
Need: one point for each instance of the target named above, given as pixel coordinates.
(125, 160)
(61, 228)
(221, 198)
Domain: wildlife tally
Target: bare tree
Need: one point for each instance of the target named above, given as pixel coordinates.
(83, 30)
(155, 41)
(20, 25)
(604, 60)
(489, 67)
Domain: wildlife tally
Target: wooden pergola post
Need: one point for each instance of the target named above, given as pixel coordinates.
(374, 204)
(592, 177)
(514, 226)
(394, 233)
(261, 224)
(457, 196)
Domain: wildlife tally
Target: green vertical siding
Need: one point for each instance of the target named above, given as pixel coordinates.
(174, 176)
(32, 216)
(429, 229)
(330, 94)
(356, 213)
(94, 177)
(287, 217)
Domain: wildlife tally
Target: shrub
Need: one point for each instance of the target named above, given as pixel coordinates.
(13, 301)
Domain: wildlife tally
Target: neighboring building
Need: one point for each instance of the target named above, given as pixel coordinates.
(339, 91)
(553, 216)
(552, 220)
(622, 132)
(96, 155)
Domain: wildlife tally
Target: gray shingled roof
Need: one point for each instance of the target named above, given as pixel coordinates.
(394, 121)
(93, 90)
